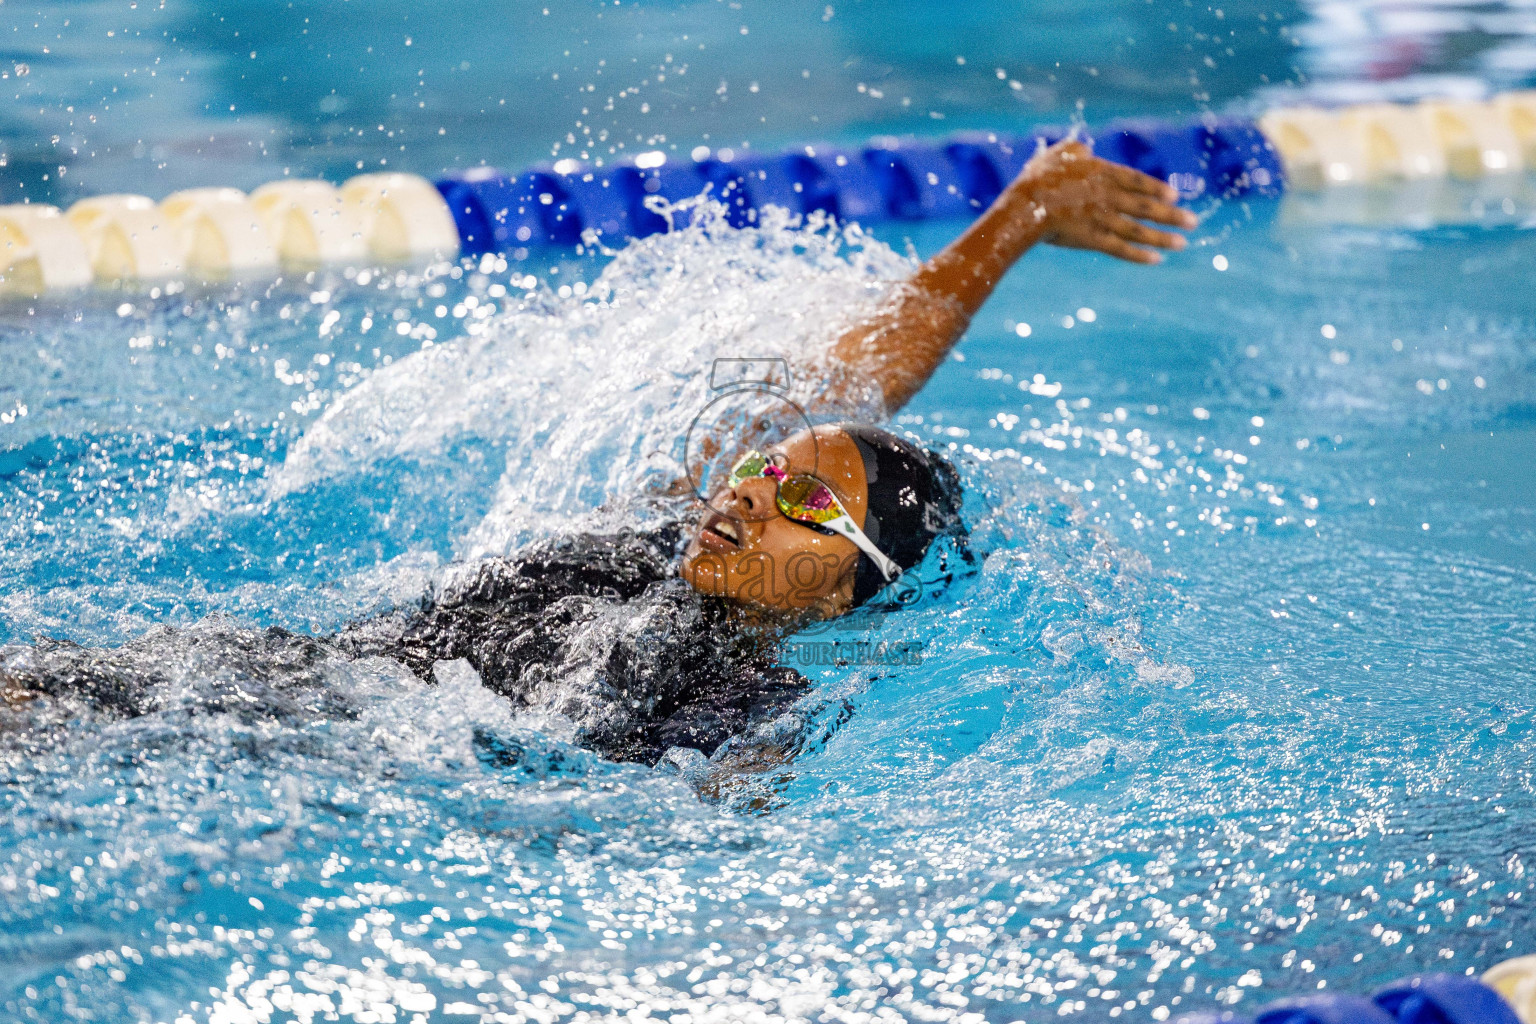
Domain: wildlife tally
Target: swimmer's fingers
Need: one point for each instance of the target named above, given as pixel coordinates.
(1136, 231)
(1113, 245)
(1133, 180)
(1146, 208)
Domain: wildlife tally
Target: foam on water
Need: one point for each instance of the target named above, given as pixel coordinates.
(590, 398)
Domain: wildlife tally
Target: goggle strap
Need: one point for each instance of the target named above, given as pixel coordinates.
(845, 525)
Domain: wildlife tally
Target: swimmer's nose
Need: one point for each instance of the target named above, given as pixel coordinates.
(756, 497)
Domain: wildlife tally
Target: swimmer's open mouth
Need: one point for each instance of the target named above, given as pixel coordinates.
(720, 533)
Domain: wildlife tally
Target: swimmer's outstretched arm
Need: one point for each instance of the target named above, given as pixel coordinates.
(1065, 196)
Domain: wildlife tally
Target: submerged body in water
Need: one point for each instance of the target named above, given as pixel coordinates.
(596, 628)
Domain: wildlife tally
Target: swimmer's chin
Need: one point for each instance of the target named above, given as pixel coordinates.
(715, 575)
(704, 571)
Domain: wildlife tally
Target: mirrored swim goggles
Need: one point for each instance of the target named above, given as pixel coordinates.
(807, 500)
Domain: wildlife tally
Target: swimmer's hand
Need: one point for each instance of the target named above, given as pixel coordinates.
(1084, 202)
(1065, 196)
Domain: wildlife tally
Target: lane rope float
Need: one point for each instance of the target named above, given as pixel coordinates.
(308, 223)
(1515, 981)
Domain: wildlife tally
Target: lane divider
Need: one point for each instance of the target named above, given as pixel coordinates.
(127, 238)
(1515, 981)
(214, 234)
(219, 232)
(40, 251)
(1420, 999)
(400, 217)
(1379, 143)
(1519, 110)
(308, 223)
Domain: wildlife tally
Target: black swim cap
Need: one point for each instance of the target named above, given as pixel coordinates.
(914, 497)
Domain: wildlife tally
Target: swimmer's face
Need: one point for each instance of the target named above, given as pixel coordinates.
(747, 551)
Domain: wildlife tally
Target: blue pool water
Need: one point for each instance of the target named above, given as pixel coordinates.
(1238, 702)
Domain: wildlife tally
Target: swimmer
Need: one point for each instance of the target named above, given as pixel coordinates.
(653, 640)
(1065, 196)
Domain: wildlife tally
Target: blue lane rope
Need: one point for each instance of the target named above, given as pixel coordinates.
(1421, 999)
(905, 181)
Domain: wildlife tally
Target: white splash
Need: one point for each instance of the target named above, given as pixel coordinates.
(591, 397)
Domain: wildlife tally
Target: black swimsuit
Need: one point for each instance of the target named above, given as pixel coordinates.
(597, 628)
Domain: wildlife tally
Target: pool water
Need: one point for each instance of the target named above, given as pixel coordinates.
(1236, 703)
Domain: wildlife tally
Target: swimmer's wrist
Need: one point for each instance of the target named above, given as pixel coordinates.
(1025, 211)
